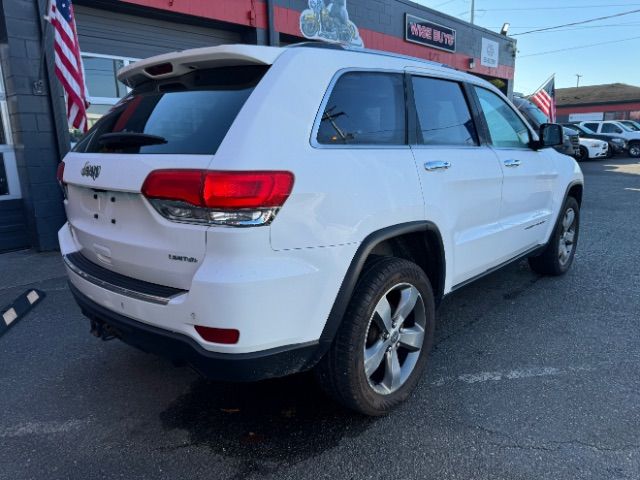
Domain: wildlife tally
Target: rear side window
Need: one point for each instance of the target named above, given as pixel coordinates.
(443, 113)
(190, 114)
(365, 109)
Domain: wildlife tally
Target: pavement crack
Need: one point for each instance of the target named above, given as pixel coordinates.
(515, 293)
(31, 284)
(599, 448)
(545, 445)
(458, 331)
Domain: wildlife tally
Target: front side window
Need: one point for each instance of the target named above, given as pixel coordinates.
(190, 114)
(365, 108)
(610, 128)
(443, 113)
(507, 130)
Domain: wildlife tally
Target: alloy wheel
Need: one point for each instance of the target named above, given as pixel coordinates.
(394, 339)
(567, 236)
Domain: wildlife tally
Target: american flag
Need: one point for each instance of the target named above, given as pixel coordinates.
(68, 62)
(545, 99)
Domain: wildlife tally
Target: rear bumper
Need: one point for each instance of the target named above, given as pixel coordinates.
(240, 367)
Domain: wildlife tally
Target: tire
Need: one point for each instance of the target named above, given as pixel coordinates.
(634, 150)
(610, 151)
(553, 260)
(341, 373)
(583, 155)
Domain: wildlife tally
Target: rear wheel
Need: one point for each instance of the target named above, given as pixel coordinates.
(381, 348)
(557, 257)
(634, 150)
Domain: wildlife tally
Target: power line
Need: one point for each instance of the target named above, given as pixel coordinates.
(579, 47)
(581, 7)
(578, 23)
(443, 4)
(633, 25)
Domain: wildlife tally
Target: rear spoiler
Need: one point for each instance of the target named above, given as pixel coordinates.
(178, 63)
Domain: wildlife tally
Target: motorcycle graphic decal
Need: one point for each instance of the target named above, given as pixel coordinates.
(329, 21)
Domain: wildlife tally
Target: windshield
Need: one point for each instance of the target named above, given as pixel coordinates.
(631, 125)
(190, 114)
(583, 128)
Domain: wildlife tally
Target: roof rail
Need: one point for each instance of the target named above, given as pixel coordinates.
(349, 48)
(317, 44)
(384, 53)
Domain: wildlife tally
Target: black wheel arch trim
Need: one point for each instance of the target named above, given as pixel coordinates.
(572, 184)
(355, 268)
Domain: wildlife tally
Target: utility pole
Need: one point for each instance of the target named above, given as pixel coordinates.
(473, 11)
(578, 77)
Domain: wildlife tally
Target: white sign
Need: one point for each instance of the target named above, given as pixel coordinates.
(586, 117)
(490, 53)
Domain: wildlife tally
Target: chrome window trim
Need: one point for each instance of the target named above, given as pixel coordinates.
(316, 124)
(115, 288)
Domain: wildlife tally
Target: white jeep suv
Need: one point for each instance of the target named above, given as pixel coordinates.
(255, 211)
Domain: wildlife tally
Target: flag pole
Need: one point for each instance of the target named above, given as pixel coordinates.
(543, 84)
(38, 85)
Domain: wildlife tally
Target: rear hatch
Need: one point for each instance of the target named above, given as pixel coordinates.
(173, 122)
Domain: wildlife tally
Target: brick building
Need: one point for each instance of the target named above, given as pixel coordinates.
(112, 33)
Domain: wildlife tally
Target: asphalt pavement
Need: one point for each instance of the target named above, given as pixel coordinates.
(530, 378)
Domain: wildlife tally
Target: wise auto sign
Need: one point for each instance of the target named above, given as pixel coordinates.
(429, 34)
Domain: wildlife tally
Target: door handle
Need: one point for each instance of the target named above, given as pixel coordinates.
(512, 163)
(439, 165)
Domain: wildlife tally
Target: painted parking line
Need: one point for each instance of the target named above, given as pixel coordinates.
(515, 374)
(19, 308)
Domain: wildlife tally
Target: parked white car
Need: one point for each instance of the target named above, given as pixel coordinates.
(618, 128)
(254, 217)
(592, 148)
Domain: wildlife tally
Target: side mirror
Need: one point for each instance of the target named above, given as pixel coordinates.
(551, 135)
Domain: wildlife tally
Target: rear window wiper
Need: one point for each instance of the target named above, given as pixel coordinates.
(130, 139)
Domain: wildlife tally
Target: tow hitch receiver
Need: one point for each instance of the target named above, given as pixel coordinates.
(103, 330)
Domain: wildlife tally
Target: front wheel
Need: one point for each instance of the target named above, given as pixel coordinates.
(583, 154)
(634, 150)
(557, 257)
(381, 348)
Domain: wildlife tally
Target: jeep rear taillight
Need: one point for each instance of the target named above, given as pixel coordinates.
(218, 197)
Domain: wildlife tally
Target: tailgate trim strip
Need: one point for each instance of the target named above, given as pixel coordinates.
(115, 282)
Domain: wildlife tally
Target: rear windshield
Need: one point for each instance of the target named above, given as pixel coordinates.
(190, 114)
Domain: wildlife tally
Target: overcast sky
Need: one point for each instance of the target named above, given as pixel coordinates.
(610, 63)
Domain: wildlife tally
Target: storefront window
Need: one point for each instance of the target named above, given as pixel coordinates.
(101, 78)
(9, 184)
(103, 87)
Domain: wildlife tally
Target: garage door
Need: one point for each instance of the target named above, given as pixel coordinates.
(109, 33)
